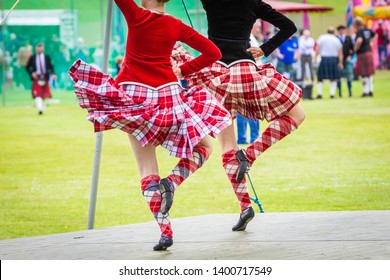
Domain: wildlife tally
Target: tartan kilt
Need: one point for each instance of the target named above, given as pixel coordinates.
(347, 71)
(255, 92)
(328, 69)
(365, 65)
(40, 91)
(170, 116)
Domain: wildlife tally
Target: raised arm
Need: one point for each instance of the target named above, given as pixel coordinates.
(209, 52)
(129, 9)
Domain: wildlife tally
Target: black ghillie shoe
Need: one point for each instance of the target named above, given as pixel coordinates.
(243, 167)
(244, 219)
(163, 244)
(166, 195)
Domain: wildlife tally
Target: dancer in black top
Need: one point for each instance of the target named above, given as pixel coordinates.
(256, 92)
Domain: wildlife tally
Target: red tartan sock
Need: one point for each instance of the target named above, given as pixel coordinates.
(230, 163)
(277, 130)
(188, 166)
(150, 190)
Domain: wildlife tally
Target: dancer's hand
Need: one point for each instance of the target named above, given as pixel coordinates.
(256, 52)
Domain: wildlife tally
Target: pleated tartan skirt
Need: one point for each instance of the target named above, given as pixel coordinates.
(170, 116)
(255, 92)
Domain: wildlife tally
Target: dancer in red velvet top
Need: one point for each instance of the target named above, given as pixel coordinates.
(255, 92)
(147, 102)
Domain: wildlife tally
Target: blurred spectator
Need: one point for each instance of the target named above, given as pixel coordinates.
(40, 68)
(97, 54)
(13, 44)
(287, 55)
(2, 59)
(383, 41)
(61, 59)
(306, 51)
(365, 62)
(116, 49)
(23, 55)
(242, 125)
(80, 51)
(9, 71)
(118, 63)
(256, 38)
(330, 49)
(347, 71)
(272, 57)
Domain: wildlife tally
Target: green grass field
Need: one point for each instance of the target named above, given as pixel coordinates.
(337, 160)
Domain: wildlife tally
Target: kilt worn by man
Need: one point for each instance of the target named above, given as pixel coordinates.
(330, 49)
(365, 63)
(40, 68)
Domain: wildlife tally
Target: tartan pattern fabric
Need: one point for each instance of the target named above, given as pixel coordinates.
(255, 92)
(347, 71)
(328, 69)
(170, 116)
(187, 166)
(231, 164)
(39, 91)
(365, 65)
(150, 190)
(277, 130)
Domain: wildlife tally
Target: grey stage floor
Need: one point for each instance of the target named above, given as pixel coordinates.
(351, 235)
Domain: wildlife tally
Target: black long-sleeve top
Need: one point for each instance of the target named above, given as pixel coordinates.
(230, 23)
(347, 48)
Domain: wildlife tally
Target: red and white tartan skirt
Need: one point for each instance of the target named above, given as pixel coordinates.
(365, 64)
(170, 116)
(255, 92)
(40, 91)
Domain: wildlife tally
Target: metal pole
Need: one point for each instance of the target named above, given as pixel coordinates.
(3, 76)
(99, 135)
(102, 20)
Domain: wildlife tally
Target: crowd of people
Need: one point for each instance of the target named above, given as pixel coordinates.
(19, 48)
(340, 56)
(336, 55)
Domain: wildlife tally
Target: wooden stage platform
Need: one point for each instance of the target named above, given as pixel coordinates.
(344, 235)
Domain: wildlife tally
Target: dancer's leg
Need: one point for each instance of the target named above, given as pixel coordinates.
(145, 157)
(232, 167)
(227, 140)
(148, 168)
(277, 130)
(184, 168)
(151, 192)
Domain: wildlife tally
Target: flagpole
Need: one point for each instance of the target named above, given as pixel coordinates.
(99, 135)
